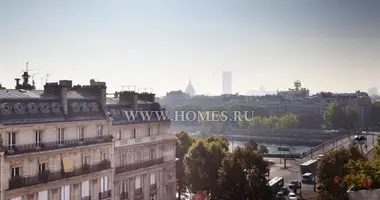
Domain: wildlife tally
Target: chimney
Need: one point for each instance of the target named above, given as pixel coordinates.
(98, 89)
(145, 96)
(17, 82)
(60, 90)
(116, 95)
(129, 97)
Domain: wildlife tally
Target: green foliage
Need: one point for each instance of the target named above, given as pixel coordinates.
(272, 122)
(309, 120)
(361, 172)
(243, 176)
(332, 165)
(203, 163)
(183, 144)
(340, 116)
(376, 114)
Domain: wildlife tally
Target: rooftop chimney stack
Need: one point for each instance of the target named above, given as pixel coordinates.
(129, 97)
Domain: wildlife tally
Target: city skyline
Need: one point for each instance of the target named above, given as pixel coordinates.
(327, 45)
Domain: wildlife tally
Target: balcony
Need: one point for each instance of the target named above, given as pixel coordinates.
(143, 140)
(138, 194)
(153, 189)
(86, 198)
(105, 195)
(48, 176)
(124, 196)
(136, 166)
(46, 146)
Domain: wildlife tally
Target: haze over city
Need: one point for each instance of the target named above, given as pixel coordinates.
(328, 45)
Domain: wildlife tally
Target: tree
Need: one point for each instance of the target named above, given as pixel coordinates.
(332, 166)
(340, 116)
(308, 121)
(183, 144)
(253, 144)
(203, 163)
(376, 114)
(289, 121)
(243, 175)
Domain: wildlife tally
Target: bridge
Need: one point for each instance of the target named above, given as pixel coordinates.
(323, 148)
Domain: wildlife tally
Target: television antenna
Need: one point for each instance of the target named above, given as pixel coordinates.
(27, 70)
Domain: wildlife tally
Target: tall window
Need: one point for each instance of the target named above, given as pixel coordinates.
(123, 186)
(119, 134)
(137, 182)
(99, 130)
(104, 184)
(149, 131)
(86, 159)
(133, 134)
(123, 158)
(11, 140)
(42, 168)
(15, 171)
(152, 178)
(38, 137)
(61, 135)
(152, 154)
(138, 157)
(103, 156)
(81, 131)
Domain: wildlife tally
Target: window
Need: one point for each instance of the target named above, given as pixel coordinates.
(123, 158)
(11, 140)
(119, 134)
(123, 186)
(81, 131)
(42, 168)
(138, 157)
(137, 182)
(86, 159)
(65, 192)
(133, 134)
(104, 184)
(103, 156)
(152, 178)
(153, 154)
(99, 130)
(61, 136)
(149, 131)
(16, 171)
(38, 137)
(153, 197)
(85, 189)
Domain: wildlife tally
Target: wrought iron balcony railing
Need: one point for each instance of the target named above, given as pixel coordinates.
(153, 188)
(138, 194)
(105, 195)
(124, 196)
(48, 176)
(86, 198)
(59, 144)
(138, 165)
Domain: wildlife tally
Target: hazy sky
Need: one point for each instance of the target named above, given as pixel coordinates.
(327, 44)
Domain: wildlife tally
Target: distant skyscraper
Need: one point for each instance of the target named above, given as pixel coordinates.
(227, 83)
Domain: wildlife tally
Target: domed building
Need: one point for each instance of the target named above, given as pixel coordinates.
(190, 89)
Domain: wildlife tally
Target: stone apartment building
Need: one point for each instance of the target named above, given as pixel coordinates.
(65, 143)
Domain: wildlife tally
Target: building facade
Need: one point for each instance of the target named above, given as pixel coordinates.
(64, 143)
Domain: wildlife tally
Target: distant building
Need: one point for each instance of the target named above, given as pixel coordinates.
(227, 83)
(190, 89)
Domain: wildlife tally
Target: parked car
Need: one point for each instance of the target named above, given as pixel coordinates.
(294, 185)
(292, 196)
(360, 138)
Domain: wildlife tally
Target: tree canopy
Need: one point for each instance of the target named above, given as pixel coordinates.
(243, 175)
(271, 122)
(333, 166)
(206, 165)
(340, 116)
